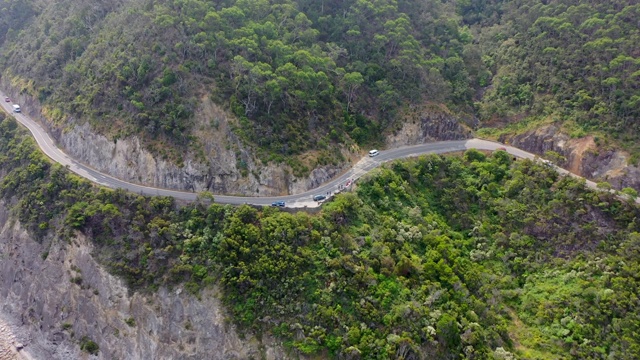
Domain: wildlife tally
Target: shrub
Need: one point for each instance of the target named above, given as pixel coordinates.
(89, 346)
(130, 321)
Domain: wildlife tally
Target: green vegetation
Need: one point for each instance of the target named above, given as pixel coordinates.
(298, 74)
(632, 193)
(15, 14)
(89, 346)
(304, 75)
(475, 256)
(130, 321)
(439, 257)
(576, 60)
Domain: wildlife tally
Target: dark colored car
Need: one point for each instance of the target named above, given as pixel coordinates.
(7, 99)
(319, 197)
(278, 203)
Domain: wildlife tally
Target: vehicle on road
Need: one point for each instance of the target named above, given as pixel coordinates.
(278, 203)
(374, 152)
(502, 148)
(16, 108)
(319, 197)
(7, 99)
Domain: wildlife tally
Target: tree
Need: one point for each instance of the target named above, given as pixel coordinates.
(352, 82)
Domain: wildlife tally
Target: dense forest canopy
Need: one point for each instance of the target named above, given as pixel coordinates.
(475, 256)
(577, 60)
(301, 75)
(294, 72)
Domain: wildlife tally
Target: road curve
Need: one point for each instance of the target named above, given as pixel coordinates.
(48, 146)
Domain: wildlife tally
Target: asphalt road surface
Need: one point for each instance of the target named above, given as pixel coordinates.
(305, 199)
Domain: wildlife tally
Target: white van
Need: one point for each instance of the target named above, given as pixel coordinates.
(373, 153)
(16, 108)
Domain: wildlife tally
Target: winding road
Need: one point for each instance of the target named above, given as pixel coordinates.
(301, 200)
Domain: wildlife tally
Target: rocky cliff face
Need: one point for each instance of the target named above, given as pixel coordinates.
(56, 294)
(216, 169)
(583, 156)
(428, 124)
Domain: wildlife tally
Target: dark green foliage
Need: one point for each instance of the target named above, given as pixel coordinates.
(15, 15)
(130, 321)
(89, 346)
(287, 69)
(431, 259)
(131, 230)
(578, 60)
(299, 74)
(436, 257)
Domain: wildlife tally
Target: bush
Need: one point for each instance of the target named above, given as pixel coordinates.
(130, 321)
(89, 346)
(630, 191)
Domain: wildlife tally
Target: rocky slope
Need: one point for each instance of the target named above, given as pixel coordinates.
(426, 124)
(57, 294)
(584, 156)
(215, 169)
(11, 347)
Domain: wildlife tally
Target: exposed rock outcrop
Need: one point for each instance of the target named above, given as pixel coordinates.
(10, 345)
(583, 155)
(427, 124)
(58, 293)
(216, 169)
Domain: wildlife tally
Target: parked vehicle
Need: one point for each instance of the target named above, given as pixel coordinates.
(278, 203)
(7, 99)
(374, 152)
(319, 197)
(16, 108)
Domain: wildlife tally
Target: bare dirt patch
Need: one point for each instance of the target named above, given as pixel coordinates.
(580, 147)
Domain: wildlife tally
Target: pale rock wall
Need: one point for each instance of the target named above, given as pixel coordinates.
(583, 156)
(38, 297)
(128, 160)
(428, 125)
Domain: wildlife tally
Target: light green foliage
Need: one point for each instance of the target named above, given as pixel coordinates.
(287, 69)
(430, 258)
(632, 193)
(604, 185)
(555, 157)
(436, 251)
(575, 60)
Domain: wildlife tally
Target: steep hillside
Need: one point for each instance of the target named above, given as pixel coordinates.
(298, 75)
(574, 63)
(437, 257)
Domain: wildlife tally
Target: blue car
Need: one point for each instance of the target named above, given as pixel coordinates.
(278, 203)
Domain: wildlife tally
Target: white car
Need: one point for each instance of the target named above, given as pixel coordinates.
(373, 153)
